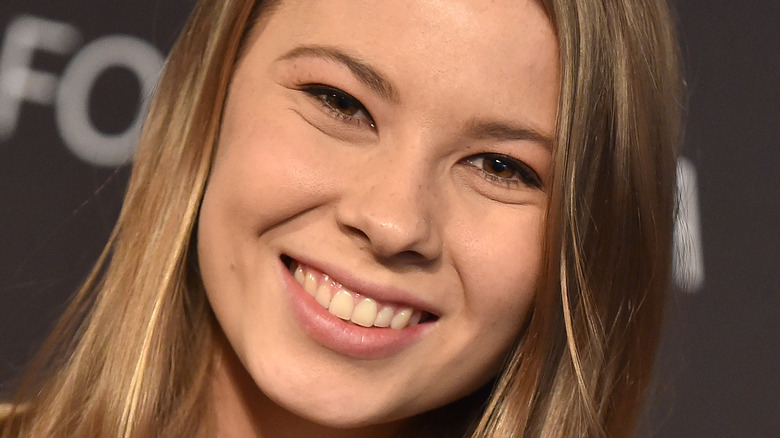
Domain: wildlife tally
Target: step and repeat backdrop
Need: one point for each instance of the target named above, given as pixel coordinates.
(74, 80)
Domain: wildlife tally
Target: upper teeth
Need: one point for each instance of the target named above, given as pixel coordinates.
(351, 306)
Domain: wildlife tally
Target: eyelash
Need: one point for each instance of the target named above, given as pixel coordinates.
(325, 96)
(521, 172)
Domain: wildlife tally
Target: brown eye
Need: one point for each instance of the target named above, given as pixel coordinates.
(498, 167)
(341, 105)
(505, 170)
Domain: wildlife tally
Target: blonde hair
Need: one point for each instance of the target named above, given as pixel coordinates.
(132, 354)
(585, 361)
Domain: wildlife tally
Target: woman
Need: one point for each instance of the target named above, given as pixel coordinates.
(383, 219)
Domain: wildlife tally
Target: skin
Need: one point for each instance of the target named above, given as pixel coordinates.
(396, 195)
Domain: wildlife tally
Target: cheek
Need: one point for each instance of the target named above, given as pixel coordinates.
(255, 183)
(504, 261)
(263, 175)
(498, 258)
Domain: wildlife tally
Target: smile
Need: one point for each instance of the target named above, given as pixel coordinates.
(352, 306)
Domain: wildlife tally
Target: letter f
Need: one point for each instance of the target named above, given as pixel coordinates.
(18, 82)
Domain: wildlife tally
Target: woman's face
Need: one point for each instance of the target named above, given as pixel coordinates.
(397, 155)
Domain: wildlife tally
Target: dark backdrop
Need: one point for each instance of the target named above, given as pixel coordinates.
(73, 73)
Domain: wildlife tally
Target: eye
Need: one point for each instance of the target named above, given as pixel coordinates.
(340, 104)
(504, 169)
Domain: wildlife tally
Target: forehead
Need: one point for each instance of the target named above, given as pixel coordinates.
(500, 54)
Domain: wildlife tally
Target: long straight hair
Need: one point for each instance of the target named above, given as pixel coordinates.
(131, 357)
(585, 361)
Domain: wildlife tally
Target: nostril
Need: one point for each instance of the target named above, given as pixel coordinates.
(411, 256)
(356, 232)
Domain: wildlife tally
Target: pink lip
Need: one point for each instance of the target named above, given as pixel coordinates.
(343, 337)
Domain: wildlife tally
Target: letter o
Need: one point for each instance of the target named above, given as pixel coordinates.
(72, 106)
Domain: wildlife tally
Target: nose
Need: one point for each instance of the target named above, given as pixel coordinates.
(389, 206)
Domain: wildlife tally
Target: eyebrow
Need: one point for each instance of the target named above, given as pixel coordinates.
(376, 81)
(501, 131)
(366, 74)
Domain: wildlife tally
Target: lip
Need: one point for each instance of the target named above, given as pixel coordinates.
(387, 295)
(346, 338)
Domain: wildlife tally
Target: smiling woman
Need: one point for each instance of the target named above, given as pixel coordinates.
(412, 218)
(384, 201)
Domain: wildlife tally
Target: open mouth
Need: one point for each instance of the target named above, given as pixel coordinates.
(351, 306)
